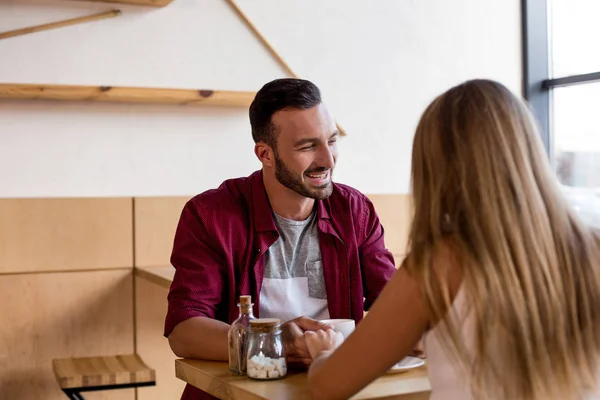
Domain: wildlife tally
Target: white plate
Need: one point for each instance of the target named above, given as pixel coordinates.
(405, 364)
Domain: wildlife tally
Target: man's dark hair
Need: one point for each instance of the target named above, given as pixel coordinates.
(277, 95)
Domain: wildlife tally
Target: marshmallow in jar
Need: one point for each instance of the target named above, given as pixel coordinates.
(266, 358)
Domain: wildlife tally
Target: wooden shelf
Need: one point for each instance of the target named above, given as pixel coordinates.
(126, 94)
(155, 3)
(162, 276)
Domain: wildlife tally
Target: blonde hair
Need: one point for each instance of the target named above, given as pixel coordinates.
(482, 182)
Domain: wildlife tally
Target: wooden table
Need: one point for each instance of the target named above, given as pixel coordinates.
(214, 378)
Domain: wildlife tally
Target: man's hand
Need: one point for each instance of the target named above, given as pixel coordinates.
(418, 350)
(294, 342)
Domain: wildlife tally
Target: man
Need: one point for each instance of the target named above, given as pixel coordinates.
(304, 247)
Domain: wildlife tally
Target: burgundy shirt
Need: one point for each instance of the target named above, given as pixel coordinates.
(222, 237)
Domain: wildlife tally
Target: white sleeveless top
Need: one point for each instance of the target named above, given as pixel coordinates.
(447, 381)
(446, 378)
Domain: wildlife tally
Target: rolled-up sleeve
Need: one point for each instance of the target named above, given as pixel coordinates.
(376, 260)
(198, 284)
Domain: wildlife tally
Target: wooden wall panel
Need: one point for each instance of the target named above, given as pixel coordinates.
(65, 234)
(56, 315)
(395, 214)
(155, 221)
(152, 346)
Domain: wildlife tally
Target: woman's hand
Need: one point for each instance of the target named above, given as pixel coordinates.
(322, 341)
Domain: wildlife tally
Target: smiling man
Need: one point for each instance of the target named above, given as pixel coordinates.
(304, 247)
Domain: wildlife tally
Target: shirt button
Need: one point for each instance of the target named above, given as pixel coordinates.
(257, 251)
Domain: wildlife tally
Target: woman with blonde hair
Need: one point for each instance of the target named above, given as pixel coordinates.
(501, 276)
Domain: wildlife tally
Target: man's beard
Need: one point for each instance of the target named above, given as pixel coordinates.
(293, 181)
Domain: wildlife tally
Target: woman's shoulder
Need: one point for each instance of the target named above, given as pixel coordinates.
(448, 260)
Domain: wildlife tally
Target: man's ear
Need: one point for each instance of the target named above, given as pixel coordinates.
(265, 154)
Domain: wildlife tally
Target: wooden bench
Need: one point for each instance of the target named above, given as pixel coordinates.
(86, 374)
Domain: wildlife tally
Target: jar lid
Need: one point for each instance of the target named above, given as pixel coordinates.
(264, 324)
(246, 300)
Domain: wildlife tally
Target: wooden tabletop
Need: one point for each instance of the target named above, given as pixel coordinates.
(214, 378)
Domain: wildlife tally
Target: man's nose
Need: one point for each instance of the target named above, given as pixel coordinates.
(326, 158)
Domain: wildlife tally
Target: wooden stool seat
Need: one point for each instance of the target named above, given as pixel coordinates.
(76, 375)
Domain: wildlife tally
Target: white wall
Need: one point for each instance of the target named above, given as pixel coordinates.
(378, 63)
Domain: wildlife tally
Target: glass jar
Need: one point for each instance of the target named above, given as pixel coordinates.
(266, 357)
(238, 337)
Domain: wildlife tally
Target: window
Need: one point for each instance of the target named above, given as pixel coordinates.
(562, 83)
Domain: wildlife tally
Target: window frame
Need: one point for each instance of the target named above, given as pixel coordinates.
(537, 83)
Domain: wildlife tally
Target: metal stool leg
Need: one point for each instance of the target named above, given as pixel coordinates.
(73, 394)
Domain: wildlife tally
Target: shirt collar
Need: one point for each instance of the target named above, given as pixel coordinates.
(263, 218)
